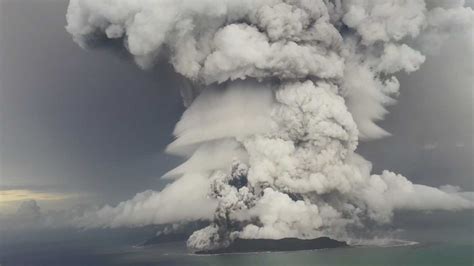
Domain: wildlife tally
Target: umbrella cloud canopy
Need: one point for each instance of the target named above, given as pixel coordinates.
(283, 91)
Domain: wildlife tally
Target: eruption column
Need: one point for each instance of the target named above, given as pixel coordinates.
(282, 92)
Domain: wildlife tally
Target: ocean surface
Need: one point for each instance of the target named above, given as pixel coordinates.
(432, 240)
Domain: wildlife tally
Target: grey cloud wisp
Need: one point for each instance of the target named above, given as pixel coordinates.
(283, 90)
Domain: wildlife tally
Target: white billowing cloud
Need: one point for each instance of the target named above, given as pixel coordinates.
(389, 191)
(384, 21)
(241, 51)
(183, 200)
(305, 179)
(314, 115)
(204, 158)
(287, 90)
(281, 217)
(283, 39)
(444, 19)
(239, 110)
(149, 25)
(366, 99)
(396, 58)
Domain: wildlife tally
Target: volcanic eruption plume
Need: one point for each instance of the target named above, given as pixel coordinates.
(282, 92)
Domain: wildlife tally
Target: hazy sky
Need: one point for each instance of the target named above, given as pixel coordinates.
(76, 121)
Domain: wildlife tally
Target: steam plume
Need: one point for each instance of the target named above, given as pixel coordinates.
(285, 90)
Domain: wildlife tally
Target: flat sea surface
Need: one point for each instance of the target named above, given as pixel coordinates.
(441, 239)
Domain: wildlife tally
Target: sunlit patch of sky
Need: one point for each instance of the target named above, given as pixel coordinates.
(11, 198)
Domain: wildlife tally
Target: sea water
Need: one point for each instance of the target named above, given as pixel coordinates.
(434, 239)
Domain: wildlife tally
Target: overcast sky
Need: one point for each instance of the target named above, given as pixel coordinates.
(76, 121)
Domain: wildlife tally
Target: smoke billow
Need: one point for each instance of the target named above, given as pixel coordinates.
(282, 92)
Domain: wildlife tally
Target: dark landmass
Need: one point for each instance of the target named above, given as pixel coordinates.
(286, 244)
